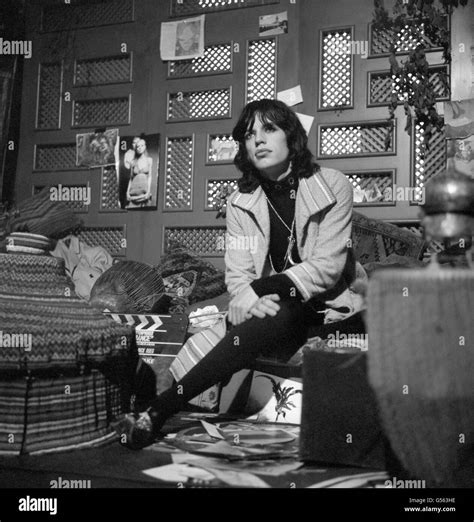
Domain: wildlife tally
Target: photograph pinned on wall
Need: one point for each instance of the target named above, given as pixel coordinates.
(221, 149)
(97, 149)
(273, 24)
(138, 171)
(182, 40)
(459, 130)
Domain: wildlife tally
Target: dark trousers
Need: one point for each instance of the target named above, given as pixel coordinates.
(280, 336)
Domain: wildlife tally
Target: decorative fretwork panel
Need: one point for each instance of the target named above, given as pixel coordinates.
(203, 241)
(104, 70)
(216, 59)
(179, 173)
(109, 198)
(216, 187)
(74, 196)
(221, 148)
(356, 139)
(101, 112)
(49, 96)
(336, 69)
(370, 187)
(432, 162)
(383, 84)
(261, 69)
(187, 7)
(85, 13)
(55, 157)
(113, 238)
(407, 39)
(199, 105)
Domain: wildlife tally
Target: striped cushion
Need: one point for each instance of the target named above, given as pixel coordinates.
(193, 350)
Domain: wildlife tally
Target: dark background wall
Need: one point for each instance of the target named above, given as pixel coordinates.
(298, 62)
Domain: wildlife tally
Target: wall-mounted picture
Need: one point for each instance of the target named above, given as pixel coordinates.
(97, 149)
(221, 148)
(459, 119)
(138, 171)
(273, 24)
(182, 40)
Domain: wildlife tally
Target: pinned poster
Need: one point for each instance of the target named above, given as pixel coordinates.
(306, 120)
(459, 131)
(182, 40)
(291, 96)
(273, 24)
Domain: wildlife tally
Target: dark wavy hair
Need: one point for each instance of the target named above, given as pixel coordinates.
(278, 113)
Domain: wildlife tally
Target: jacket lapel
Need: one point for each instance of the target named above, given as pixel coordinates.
(314, 195)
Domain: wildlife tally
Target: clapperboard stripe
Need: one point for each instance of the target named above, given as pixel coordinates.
(141, 322)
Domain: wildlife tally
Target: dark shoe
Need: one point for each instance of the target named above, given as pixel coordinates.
(136, 431)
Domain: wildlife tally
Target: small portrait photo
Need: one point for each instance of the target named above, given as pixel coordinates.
(138, 171)
(273, 24)
(460, 155)
(97, 149)
(182, 40)
(221, 149)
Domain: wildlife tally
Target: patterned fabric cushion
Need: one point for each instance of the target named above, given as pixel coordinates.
(375, 240)
(210, 282)
(181, 284)
(128, 287)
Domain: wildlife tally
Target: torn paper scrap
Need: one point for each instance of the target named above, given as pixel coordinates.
(291, 96)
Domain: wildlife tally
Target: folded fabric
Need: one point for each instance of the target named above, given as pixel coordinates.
(84, 264)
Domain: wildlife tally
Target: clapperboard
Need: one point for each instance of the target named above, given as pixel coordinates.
(156, 335)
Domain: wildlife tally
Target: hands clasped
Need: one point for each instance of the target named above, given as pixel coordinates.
(247, 304)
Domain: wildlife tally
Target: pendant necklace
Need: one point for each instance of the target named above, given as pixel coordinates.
(291, 240)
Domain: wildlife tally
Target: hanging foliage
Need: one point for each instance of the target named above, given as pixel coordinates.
(426, 24)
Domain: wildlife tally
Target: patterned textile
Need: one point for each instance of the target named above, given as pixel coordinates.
(43, 332)
(34, 275)
(210, 281)
(374, 240)
(57, 414)
(181, 284)
(39, 215)
(128, 287)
